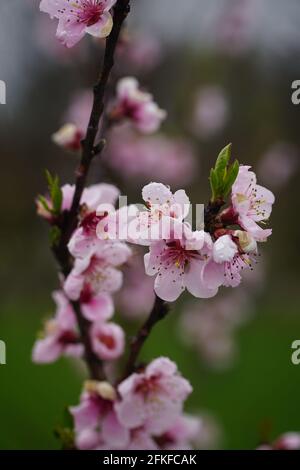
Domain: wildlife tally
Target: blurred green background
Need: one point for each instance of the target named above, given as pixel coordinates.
(257, 396)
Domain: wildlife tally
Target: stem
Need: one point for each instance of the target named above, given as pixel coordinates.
(159, 311)
(210, 214)
(89, 150)
(121, 11)
(93, 363)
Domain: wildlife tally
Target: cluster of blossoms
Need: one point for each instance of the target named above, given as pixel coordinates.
(144, 412)
(145, 409)
(201, 261)
(94, 277)
(287, 441)
(133, 107)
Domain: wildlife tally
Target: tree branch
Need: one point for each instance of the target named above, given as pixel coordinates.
(159, 311)
(89, 149)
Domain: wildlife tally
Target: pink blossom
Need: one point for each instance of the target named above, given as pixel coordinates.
(96, 202)
(179, 263)
(209, 327)
(278, 164)
(75, 121)
(224, 249)
(143, 51)
(79, 17)
(211, 111)
(102, 194)
(252, 203)
(68, 137)
(140, 439)
(79, 109)
(236, 26)
(152, 398)
(96, 308)
(228, 260)
(137, 106)
(60, 336)
(182, 434)
(288, 441)
(163, 159)
(96, 424)
(108, 340)
(161, 206)
(97, 270)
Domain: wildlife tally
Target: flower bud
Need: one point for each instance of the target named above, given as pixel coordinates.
(104, 389)
(246, 241)
(224, 249)
(69, 137)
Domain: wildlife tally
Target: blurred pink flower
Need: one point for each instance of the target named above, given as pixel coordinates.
(141, 50)
(136, 106)
(181, 435)
(278, 164)
(236, 26)
(97, 270)
(75, 19)
(136, 297)
(108, 340)
(60, 336)
(287, 441)
(96, 308)
(75, 122)
(209, 327)
(96, 424)
(68, 137)
(152, 398)
(79, 110)
(211, 111)
(157, 158)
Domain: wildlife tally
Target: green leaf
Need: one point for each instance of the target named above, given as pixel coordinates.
(213, 183)
(223, 161)
(44, 203)
(223, 175)
(55, 192)
(231, 177)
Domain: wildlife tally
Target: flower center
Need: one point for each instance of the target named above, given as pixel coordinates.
(90, 12)
(107, 340)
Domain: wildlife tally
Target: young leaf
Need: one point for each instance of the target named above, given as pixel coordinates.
(223, 175)
(44, 203)
(231, 177)
(55, 192)
(223, 161)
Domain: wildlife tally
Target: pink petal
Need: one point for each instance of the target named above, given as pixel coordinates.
(98, 308)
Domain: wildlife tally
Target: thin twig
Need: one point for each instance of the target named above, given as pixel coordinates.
(158, 312)
(89, 150)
